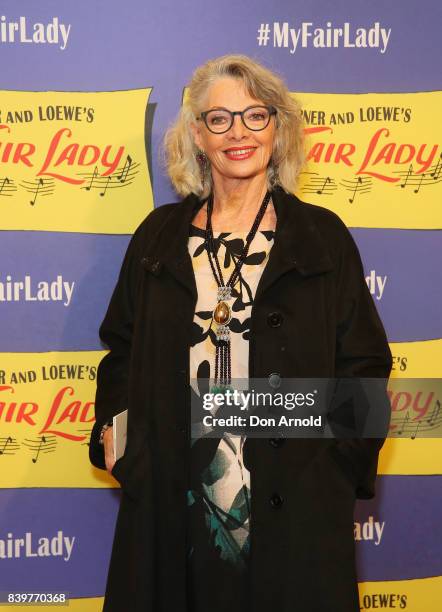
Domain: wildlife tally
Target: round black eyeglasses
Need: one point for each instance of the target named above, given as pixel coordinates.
(220, 120)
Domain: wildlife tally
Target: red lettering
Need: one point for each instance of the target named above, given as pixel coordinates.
(370, 150)
(342, 154)
(68, 155)
(316, 152)
(7, 152)
(84, 152)
(385, 154)
(426, 163)
(24, 412)
(21, 155)
(50, 154)
(401, 395)
(70, 412)
(113, 165)
(408, 158)
(329, 152)
(422, 410)
(84, 413)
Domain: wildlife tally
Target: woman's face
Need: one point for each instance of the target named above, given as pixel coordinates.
(239, 153)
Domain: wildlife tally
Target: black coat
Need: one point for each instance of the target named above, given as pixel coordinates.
(302, 551)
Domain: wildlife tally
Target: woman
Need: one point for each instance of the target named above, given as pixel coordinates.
(240, 279)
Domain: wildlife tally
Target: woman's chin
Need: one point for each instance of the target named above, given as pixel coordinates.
(241, 172)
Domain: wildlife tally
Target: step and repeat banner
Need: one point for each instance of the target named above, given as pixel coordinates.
(87, 90)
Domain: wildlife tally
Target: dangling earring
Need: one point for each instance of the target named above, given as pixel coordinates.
(203, 164)
(201, 157)
(274, 172)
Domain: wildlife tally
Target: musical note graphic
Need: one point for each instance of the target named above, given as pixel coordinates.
(38, 188)
(88, 433)
(3, 183)
(126, 169)
(414, 434)
(416, 408)
(420, 183)
(319, 185)
(94, 175)
(42, 441)
(7, 441)
(436, 172)
(435, 413)
(360, 186)
(40, 184)
(8, 446)
(418, 180)
(320, 191)
(404, 424)
(409, 173)
(122, 177)
(430, 427)
(7, 187)
(45, 444)
(102, 193)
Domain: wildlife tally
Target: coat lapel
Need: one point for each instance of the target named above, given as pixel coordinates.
(170, 245)
(297, 244)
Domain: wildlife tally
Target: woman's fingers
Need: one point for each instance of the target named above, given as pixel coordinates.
(108, 441)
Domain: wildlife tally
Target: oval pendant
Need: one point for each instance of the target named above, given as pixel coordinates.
(221, 314)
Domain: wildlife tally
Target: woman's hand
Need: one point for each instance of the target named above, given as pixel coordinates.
(108, 441)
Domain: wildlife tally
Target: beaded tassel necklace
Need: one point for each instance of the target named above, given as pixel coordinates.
(222, 312)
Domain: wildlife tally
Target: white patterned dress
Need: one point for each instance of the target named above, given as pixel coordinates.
(219, 494)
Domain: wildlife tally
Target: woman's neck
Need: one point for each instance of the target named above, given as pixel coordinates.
(235, 205)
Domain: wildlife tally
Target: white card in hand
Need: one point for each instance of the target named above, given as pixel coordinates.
(119, 434)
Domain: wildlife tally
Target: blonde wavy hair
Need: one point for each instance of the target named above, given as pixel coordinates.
(179, 149)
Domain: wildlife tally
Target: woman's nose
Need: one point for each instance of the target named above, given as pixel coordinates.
(238, 129)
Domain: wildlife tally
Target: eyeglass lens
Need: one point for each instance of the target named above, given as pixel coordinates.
(255, 118)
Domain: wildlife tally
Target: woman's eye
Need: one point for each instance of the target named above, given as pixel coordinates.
(217, 119)
(257, 117)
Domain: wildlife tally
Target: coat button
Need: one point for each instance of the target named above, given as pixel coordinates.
(276, 500)
(149, 264)
(276, 442)
(274, 380)
(274, 319)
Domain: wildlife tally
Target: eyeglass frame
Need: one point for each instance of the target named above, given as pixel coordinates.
(272, 111)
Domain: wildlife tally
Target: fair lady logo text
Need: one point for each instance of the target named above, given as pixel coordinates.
(29, 546)
(282, 35)
(52, 33)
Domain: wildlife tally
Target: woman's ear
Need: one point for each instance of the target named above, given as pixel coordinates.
(196, 135)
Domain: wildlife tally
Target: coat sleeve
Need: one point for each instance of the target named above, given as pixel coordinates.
(116, 332)
(362, 352)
